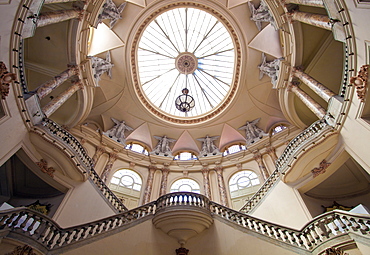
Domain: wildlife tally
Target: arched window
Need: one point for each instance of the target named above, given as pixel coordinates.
(234, 149)
(126, 184)
(185, 184)
(242, 185)
(278, 129)
(242, 180)
(185, 155)
(137, 148)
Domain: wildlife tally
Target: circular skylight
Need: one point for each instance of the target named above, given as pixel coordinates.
(185, 48)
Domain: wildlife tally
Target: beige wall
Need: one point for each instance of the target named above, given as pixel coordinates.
(283, 205)
(83, 203)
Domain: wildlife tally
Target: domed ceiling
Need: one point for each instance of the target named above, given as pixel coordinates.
(129, 46)
(152, 53)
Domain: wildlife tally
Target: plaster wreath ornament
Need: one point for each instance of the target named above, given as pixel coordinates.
(360, 82)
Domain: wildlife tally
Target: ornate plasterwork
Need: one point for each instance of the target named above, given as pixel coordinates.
(135, 72)
(22, 250)
(321, 169)
(5, 79)
(43, 164)
(360, 82)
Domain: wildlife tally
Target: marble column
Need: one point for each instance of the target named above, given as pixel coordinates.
(272, 153)
(149, 184)
(313, 19)
(206, 184)
(221, 185)
(258, 158)
(165, 172)
(57, 102)
(313, 84)
(316, 108)
(99, 151)
(316, 3)
(46, 88)
(108, 167)
(48, 18)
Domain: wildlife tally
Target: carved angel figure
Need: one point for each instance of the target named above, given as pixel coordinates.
(208, 147)
(269, 68)
(261, 14)
(112, 12)
(101, 66)
(118, 131)
(252, 132)
(163, 146)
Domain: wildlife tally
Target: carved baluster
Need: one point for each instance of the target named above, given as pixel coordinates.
(355, 225)
(363, 227)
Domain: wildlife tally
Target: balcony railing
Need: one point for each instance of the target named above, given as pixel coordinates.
(50, 129)
(44, 231)
(294, 148)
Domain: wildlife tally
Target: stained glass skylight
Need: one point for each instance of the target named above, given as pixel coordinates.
(186, 48)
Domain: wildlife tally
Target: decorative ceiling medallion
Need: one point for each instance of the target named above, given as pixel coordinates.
(187, 61)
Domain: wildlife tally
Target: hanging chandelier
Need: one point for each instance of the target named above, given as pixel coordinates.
(185, 102)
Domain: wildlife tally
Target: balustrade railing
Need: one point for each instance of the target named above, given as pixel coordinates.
(183, 198)
(67, 138)
(112, 198)
(86, 162)
(300, 141)
(324, 227)
(261, 192)
(51, 236)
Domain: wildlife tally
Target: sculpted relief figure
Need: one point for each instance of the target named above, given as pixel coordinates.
(112, 12)
(270, 69)
(208, 147)
(261, 14)
(252, 132)
(101, 66)
(117, 132)
(163, 146)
